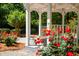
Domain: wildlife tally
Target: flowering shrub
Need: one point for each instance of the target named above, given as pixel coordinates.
(38, 41)
(5, 34)
(66, 46)
(9, 41)
(1, 45)
(8, 38)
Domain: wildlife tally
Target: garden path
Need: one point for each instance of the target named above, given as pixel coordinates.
(27, 51)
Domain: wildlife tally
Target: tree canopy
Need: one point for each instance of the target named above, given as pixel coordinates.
(5, 10)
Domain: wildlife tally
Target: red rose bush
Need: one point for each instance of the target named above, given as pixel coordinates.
(61, 45)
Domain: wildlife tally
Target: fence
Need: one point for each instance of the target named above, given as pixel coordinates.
(57, 37)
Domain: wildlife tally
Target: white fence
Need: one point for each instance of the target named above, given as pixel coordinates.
(57, 35)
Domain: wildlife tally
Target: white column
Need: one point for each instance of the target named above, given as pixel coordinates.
(27, 24)
(49, 13)
(63, 21)
(77, 31)
(40, 24)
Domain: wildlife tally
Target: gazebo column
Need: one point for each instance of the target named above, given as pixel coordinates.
(63, 13)
(77, 30)
(39, 23)
(27, 25)
(49, 14)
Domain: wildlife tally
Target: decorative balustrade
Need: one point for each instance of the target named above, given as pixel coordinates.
(59, 31)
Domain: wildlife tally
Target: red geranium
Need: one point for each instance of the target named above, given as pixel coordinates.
(41, 41)
(7, 34)
(70, 54)
(59, 29)
(53, 33)
(64, 38)
(38, 41)
(50, 39)
(69, 46)
(14, 33)
(57, 44)
(67, 29)
(48, 32)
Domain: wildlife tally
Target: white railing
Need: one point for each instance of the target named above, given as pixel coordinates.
(54, 28)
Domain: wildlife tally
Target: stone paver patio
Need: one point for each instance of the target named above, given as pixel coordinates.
(27, 51)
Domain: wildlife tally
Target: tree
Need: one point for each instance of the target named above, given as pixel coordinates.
(16, 19)
(3, 13)
(70, 16)
(5, 9)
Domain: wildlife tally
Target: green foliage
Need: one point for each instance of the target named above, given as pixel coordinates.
(70, 16)
(34, 22)
(61, 49)
(56, 18)
(46, 51)
(5, 9)
(16, 19)
(9, 41)
(44, 18)
(72, 24)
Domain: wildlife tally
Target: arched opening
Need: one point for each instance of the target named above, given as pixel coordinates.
(44, 18)
(34, 22)
(70, 16)
(56, 18)
(71, 20)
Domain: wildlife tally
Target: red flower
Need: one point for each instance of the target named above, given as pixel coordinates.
(48, 32)
(41, 41)
(67, 29)
(50, 39)
(7, 34)
(15, 33)
(59, 29)
(70, 54)
(38, 41)
(64, 38)
(57, 44)
(35, 41)
(69, 46)
(53, 33)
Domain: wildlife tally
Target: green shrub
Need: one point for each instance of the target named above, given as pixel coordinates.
(9, 41)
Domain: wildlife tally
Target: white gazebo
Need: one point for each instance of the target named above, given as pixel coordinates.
(49, 8)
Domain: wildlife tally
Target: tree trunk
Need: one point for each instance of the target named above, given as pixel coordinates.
(18, 31)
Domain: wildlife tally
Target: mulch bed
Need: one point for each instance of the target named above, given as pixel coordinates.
(17, 46)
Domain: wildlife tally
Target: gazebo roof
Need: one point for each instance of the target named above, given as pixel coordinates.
(56, 7)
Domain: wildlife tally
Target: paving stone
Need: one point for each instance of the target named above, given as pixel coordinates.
(27, 51)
